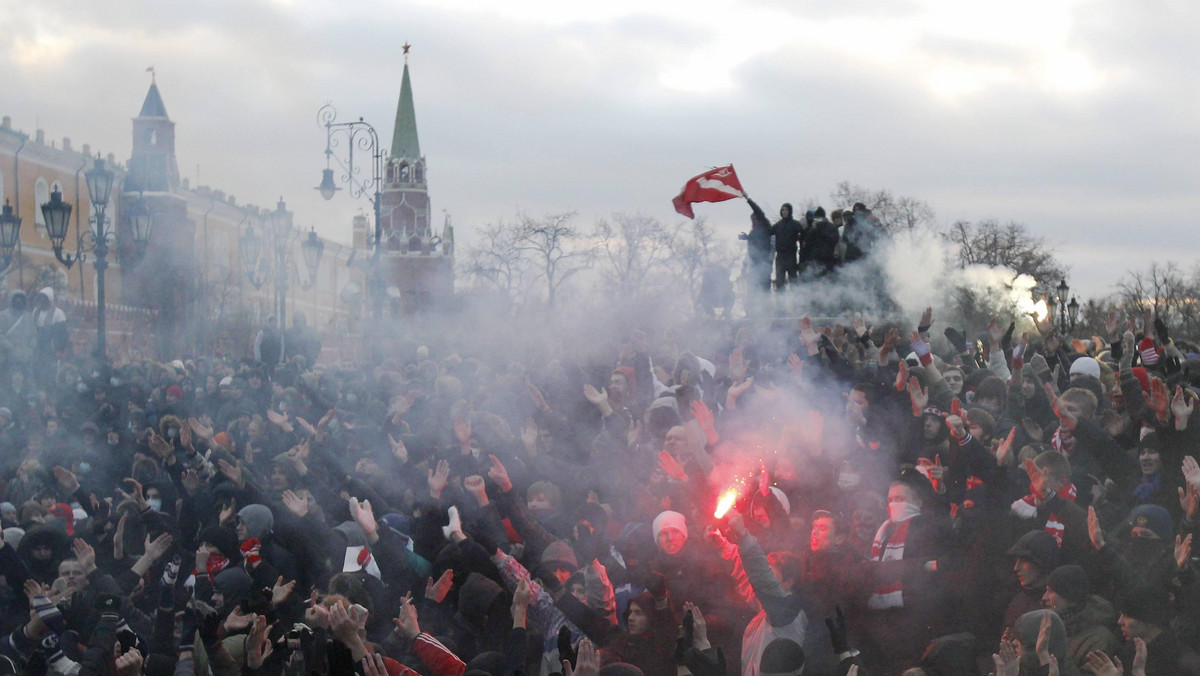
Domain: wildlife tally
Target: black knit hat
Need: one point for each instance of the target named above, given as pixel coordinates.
(781, 656)
(1039, 547)
(1071, 583)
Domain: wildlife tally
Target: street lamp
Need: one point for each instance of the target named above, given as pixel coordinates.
(10, 234)
(358, 135)
(1073, 311)
(279, 227)
(97, 238)
(1063, 290)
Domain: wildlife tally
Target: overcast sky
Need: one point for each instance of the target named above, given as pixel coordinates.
(1075, 117)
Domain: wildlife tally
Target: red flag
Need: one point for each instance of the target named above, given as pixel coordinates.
(716, 185)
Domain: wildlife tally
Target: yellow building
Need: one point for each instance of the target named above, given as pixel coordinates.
(190, 292)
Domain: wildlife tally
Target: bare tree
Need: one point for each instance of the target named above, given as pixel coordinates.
(554, 247)
(632, 252)
(497, 260)
(895, 213)
(1165, 291)
(1011, 246)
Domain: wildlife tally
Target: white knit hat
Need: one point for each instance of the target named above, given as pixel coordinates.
(669, 519)
(1086, 366)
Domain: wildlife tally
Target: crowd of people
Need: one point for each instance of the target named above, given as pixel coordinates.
(813, 247)
(783, 499)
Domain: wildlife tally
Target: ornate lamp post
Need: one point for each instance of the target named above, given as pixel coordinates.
(278, 261)
(358, 136)
(10, 235)
(1063, 290)
(97, 238)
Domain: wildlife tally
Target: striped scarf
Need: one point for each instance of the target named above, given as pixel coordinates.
(889, 546)
(1063, 441)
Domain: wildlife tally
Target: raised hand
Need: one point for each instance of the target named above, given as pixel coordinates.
(707, 421)
(129, 663)
(926, 320)
(66, 479)
(499, 474)
(1067, 418)
(280, 592)
(1095, 532)
(1101, 665)
(1158, 399)
(529, 436)
(1183, 551)
(158, 546)
(258, 647)
(406, 619)
(919, 396)
(587, 660)
(476, 487)
(671, 466)
(364, 516)
(1004, 451)
(1043, 639)
(1181, 408)
(1007, 660)
(232, 472)
(808, 335)
(595, 396)
(1140, 653)
(437, 479)
(902, 376)
(295, 504)
(202, 430)
(1189, 500)
(1191, 471)
(85, 555)
(437, 591)
(135, 493)
(536, 396)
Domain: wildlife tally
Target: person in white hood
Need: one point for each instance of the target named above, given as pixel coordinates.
(51, 323)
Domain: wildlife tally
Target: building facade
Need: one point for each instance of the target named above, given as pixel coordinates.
(191, 292)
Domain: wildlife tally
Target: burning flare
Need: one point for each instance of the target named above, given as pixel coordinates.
(726, 502)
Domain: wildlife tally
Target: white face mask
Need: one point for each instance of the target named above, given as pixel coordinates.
(155, 503)
(902, 511)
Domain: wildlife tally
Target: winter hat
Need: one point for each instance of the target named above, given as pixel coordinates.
(1086, 366)
(175, 391)
(559, 555)
(949, 655)
(1154, 517)
(223, 539)
(630, 377)
(669, 519)
(8, 509)
(1071, 583)
(781, 656)
(1148, 351)
(221, 439)
(13, 535)
(1039, 547)
(257, 519)
(226, 381)
(593, 514)
(64, 512)
(1143, 378)
(491, 663)
(234, 583)
(1029, 625)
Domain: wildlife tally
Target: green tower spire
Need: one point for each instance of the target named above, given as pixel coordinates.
(404, 134)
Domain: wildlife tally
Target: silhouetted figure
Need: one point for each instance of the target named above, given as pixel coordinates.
(788, 232)
(759, 252)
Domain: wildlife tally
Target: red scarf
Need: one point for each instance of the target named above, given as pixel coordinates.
(252, 552)
(889, 546)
